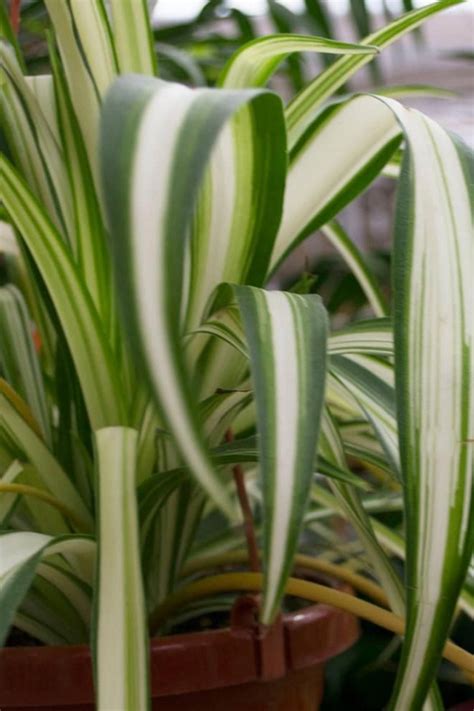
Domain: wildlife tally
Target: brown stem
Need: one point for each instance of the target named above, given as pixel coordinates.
(15, 15)
(249, 528)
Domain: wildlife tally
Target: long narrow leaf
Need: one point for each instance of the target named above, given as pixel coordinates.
(132, 37)
(84, 332)
(342, 151)
(434, 357)
(153, 166)
(286, 334)
(120, 637)
(18, 357)
(255, 62)
(303, 108)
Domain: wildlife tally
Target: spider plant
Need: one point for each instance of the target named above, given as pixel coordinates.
(149, 218)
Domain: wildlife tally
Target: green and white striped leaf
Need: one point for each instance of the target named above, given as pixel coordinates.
(133, 37)
(255, 62)
(20, 556)
(89, 246)
(434, 357)
(84, 40)
(374, 337)
(341, 152)
(153, 167)
(8, 501)
(303, 108)
(33, 143)
(237, 218)
(65, 602)
(120, 639)
(86, 339)
(14, 430)
(368, 381)
(286, 334)
(18, 357)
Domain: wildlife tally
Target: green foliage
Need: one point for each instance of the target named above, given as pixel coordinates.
(150, 219)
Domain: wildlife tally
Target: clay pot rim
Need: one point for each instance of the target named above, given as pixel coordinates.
(183, 663)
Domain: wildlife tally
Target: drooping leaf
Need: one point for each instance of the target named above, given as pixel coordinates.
(286, 334)
(303, 108)
(153, 169)
(434, 361)
(255, 62)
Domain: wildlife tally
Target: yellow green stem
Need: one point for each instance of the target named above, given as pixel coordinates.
(306, 562)
(27, 490)
(302, 589)
(20, 406)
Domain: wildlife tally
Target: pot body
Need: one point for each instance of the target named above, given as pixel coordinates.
(236, 669)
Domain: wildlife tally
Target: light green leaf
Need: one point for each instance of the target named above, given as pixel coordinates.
(87, 223)
(17, 431)
(33, 143)
(84, 332)
(8, 501)
(133, 37)
(18, 357)
(83, 35)
(255, 62)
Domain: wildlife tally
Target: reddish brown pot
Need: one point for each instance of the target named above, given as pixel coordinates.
(235, 669)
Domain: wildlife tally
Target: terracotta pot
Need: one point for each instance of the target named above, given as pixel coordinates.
(236, 669)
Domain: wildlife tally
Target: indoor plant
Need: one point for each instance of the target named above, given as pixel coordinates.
(201, 209)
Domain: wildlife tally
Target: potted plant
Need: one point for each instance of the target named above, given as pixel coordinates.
(149, 218)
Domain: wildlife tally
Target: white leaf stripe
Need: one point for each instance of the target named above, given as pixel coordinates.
(255, 62)
(434, 305)
(302, 109)
(150, 206)
(120, 639)
(289, 389)
(374, 337)
(86, 49)
(236, 222)
(352, 140)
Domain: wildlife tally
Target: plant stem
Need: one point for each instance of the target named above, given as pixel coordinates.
(20, 406)
(303, 589)
(249, 528)
(15, 15)
(27, 490)
(341, 572)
